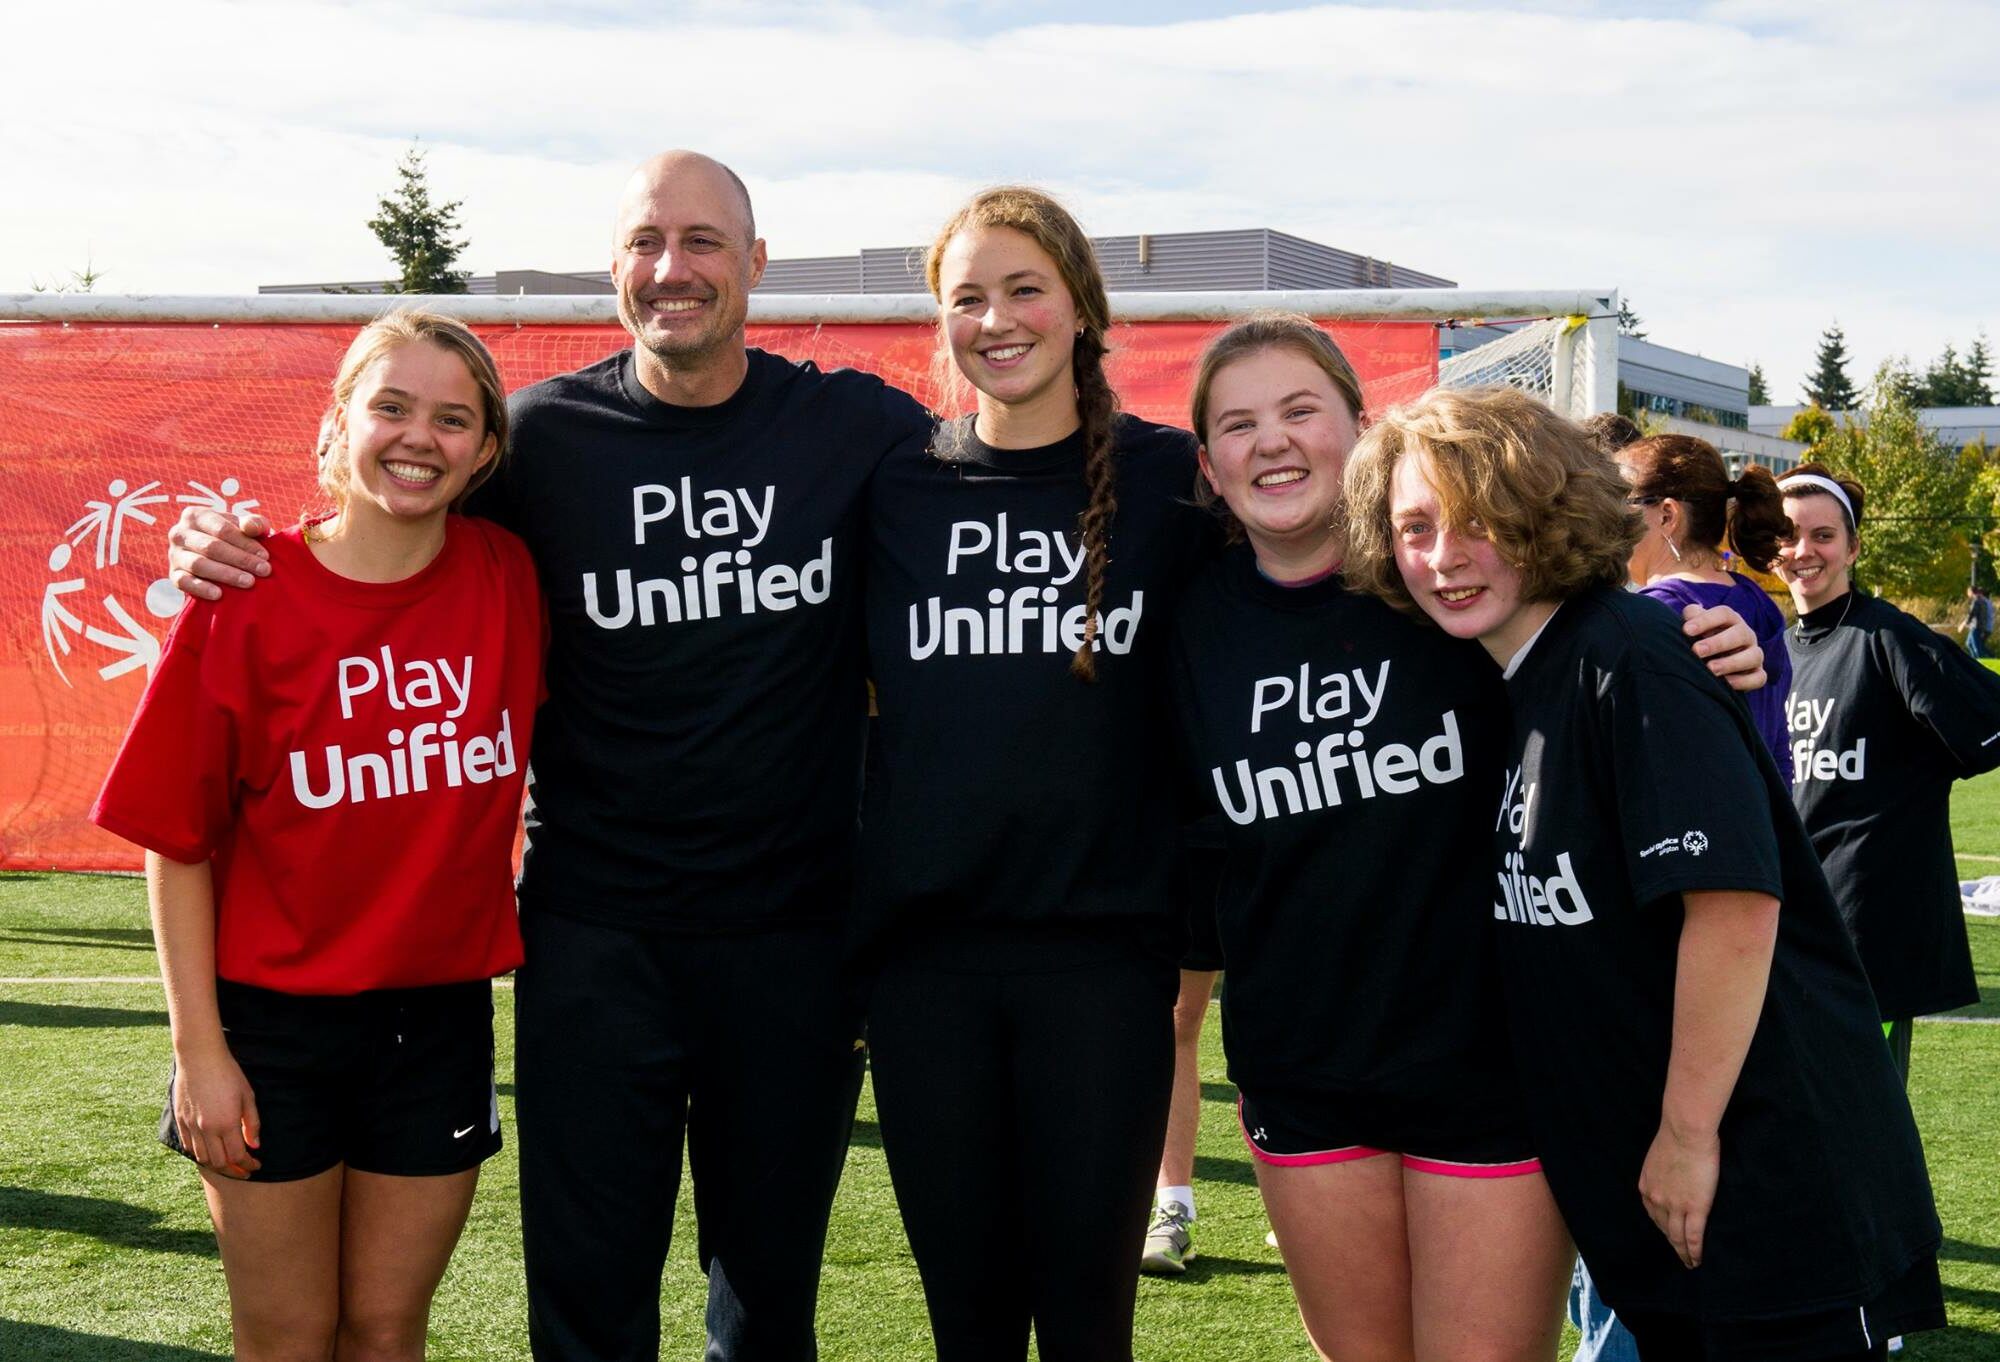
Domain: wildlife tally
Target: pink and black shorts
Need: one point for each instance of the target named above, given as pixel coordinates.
(1452, 1138)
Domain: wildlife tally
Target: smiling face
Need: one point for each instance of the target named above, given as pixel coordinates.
(684, 259)
(1816, 561)
(1457, 576)
(1009, 319)
(413, 434)
(1278, 435)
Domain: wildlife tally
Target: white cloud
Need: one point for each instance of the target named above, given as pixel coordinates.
(1746, 170)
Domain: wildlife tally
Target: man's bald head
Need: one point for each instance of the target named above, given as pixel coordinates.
(672, 169)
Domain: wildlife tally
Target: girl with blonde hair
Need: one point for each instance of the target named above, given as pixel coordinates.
(327, 775)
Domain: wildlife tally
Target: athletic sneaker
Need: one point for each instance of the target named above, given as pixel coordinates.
(1169, 1240)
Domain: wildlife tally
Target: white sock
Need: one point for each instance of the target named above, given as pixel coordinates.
(1184, 1195)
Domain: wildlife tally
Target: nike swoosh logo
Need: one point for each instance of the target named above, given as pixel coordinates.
(461, 1134)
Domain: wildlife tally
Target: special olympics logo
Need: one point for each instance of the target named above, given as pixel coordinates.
(1695, 843)
(114, 629)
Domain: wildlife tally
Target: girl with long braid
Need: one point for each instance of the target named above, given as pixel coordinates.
(1019, 828)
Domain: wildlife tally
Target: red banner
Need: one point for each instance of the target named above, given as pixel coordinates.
(108, 431)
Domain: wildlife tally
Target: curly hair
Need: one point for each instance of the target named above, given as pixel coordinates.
(1612, 430)
(1749, 510)
(1048, 224)
(1503, 465)
(1291, 331)
(409, 326)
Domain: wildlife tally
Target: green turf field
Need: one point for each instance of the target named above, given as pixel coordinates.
(106, 1256)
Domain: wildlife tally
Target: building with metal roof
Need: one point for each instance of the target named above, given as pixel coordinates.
(1251, 258)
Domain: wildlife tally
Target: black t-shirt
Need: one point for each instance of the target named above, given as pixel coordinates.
(697, 764)
(1884, 716)
(1636, 777)
(1003, 790)
(1347, 750)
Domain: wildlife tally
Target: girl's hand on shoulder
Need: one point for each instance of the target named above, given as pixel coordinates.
(1727, 644)
(215, 1114)
(1678, 1186)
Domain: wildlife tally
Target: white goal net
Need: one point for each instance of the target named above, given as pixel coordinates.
(1551, 358)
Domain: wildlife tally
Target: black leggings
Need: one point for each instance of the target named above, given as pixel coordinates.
(1023, 1114)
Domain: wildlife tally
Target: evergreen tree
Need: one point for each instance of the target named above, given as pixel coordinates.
(1629, 321)
(419, 233)
(1760, 394)
(1829, 385)
(1940, 383)
(1953, 381)
(1979, 374)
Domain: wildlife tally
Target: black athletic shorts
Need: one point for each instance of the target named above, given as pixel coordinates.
(1912, 1303)
(1448, 1133)
(396, 1081)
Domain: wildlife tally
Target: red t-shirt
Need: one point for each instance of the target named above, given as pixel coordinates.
(351, 757)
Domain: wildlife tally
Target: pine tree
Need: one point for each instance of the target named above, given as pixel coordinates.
(1629, 321)
(419, 233)
(1979, 373)
(1760, 394)
(1829, 386)
(1955, 381)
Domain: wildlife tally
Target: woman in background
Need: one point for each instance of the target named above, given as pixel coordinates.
(1885, 715)
(1690, 507)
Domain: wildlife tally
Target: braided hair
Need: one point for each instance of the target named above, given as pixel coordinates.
(1048, 224)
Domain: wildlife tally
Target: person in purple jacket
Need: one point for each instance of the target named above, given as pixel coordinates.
(1691, 505)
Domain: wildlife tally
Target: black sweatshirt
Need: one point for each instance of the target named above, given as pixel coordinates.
(697, 764)
(1353, 757)
(1637, 777)
(1884, 716)
(1004, 791)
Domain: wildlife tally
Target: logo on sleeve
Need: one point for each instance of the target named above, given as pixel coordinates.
(1693, 842)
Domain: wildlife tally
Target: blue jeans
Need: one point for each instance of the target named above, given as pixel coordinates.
(1604, 1338)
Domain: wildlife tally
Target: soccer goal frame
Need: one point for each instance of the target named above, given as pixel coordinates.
(1561, 344)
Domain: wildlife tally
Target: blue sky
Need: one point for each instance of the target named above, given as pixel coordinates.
(1747, 171)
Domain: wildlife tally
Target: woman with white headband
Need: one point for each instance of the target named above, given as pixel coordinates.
(1884, 715)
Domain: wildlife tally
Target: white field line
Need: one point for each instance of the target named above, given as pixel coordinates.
(1974, 856)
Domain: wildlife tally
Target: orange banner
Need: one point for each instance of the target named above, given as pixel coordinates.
(108, 431)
